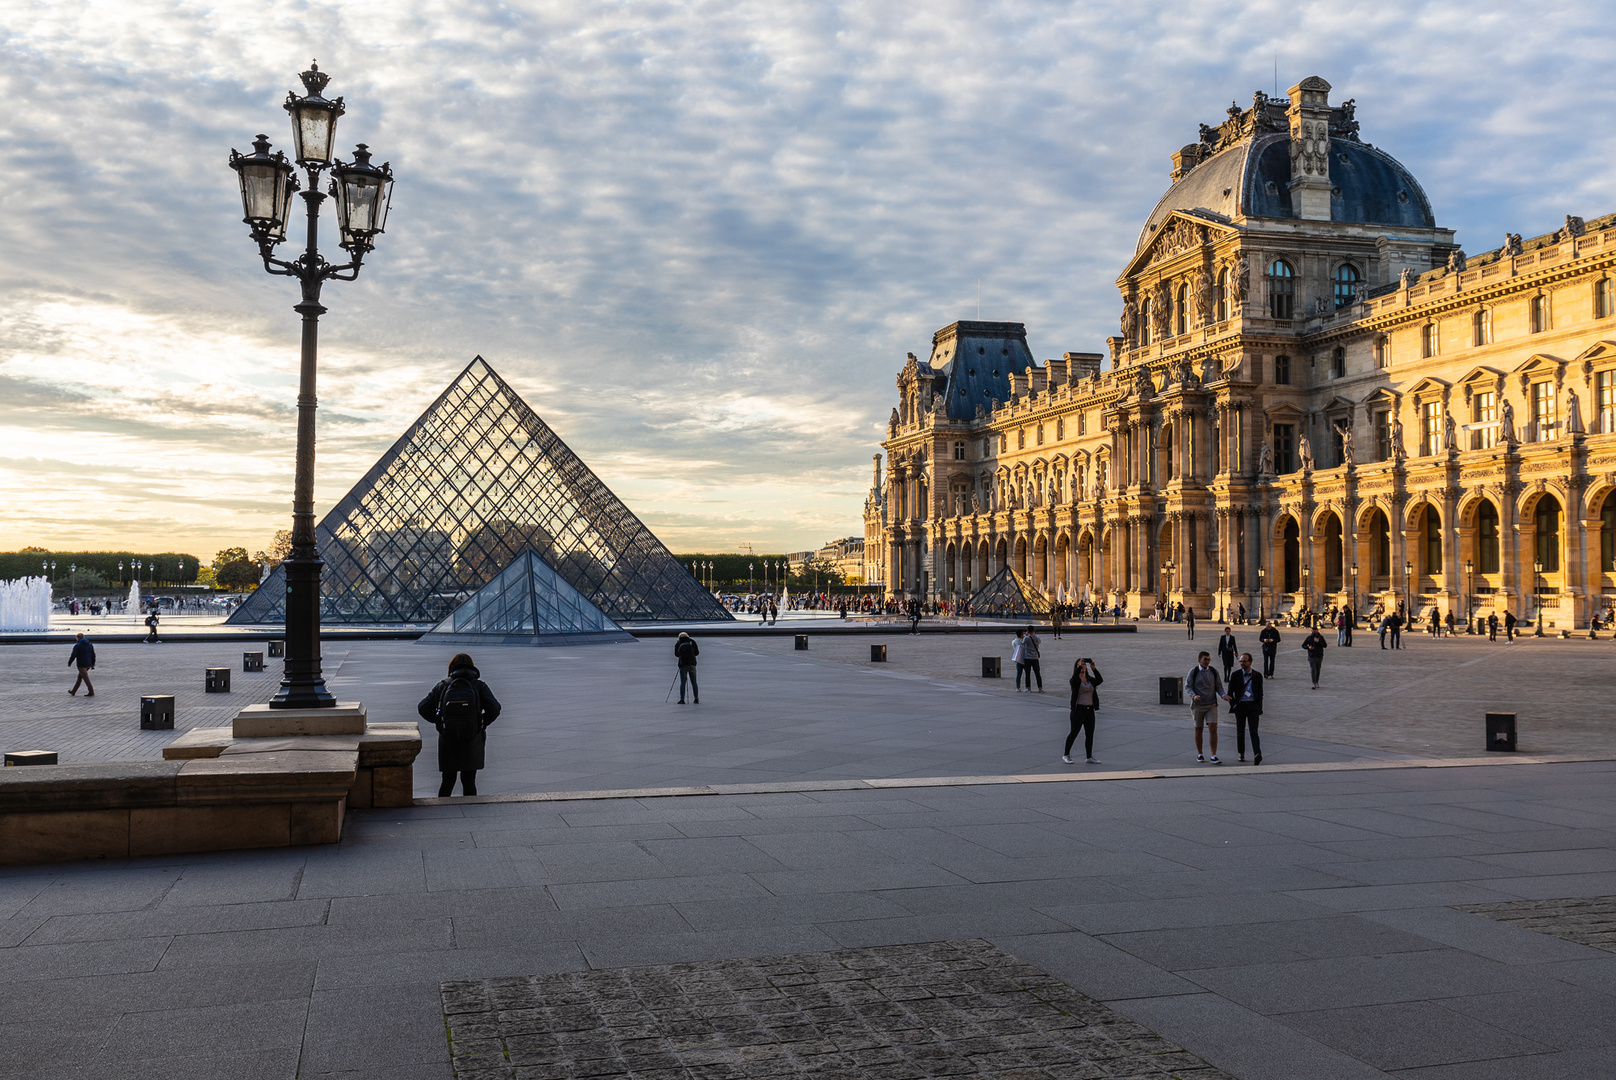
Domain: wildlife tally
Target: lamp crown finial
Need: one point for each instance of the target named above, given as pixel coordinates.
(314, 80)
(361, 154)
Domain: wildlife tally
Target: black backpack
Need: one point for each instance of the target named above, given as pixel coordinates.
(460, 710)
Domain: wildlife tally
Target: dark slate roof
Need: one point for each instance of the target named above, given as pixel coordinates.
(1256, 173)
(977, 359)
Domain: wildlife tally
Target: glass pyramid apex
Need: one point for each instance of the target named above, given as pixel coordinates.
(475, 482)
(1007, 594)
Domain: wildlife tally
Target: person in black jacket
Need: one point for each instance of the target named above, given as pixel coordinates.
(83, 657)
(460, 753)
(1227, 650)
(1245, 701)
(1270, 646)
(1085, 699)
(1315, 645)
(687, 651)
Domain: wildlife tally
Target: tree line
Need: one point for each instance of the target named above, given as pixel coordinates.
(99, 569)
(730, 571)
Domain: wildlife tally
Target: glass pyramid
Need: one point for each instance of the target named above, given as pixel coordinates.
(476, 481)
(528, 603)
(1007, 594)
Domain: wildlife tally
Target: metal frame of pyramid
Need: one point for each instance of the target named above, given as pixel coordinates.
(475, 481)
(1005, 593)
(527, 603)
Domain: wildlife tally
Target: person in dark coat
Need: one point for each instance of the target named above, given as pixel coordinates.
(1270, 647)
(82, 657)
(687, 650)
(460, 756)
(1315, 645)
(1227, 651)
(1085, 699)
(1245, 701)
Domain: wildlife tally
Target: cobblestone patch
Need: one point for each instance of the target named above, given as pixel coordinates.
(1590, 921)
(903, 1012)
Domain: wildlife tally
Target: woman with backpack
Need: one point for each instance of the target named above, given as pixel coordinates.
(461, 707)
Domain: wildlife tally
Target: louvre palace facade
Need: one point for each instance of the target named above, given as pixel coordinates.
(1315, 398)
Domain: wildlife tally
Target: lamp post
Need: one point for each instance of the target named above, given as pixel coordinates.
(1167, 582)
(1408, 592)
(1352, 607)
(749, 578)
(363, 193)
(120, 572)
(1470, 572)
(1537, 594)
(1262, 591)
(72, 580)
(1307, 593)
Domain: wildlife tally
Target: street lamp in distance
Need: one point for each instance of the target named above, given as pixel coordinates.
(1537, 594)
(1352, 608)
(1262, 591)
(1307, 593)
(1408, 592)
(1470, 573)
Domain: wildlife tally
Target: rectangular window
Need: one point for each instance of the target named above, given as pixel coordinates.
(1082, 423)
(1383, 436)
(1539, 314)
(1484, 411)
(1284, 449)
(1428, 339)
(1605, 394)
(1545, 416)
(1282, 370)
(1430, 428)
(959, 451)
(1383, 351)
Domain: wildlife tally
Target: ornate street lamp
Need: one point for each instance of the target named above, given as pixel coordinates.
(363, 193)
(1262, 591)
(1307, 593)
(1470, 572)
(1353, 607)
(72, 579)
(1537, 590)
(1408, 592)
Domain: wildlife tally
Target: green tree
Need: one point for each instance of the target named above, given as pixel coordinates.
(240, 573)
(228, 556)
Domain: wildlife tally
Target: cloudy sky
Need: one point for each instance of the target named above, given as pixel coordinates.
(698, 237)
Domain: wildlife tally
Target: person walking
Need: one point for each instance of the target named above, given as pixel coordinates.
(1397, 631)
(151, 627)
(1018, 657)
(1509, 627)
(1227, 651)
(1436, 622)
(914, 618)
(460, 707)
(1055, 621)
(1385, 625)
(1340, 621)
(1245, 701)
(1189, 621)
(1315, 645)
(1085, 699)
(83, 658)
(1029, 656)
(1450, 620)
(1204, 686)
(686, 650)
(1269, 639)
(1492, 626)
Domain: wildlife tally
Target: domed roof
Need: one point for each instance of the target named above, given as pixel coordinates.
(1250, 177)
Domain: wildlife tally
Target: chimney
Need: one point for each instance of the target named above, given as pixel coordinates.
(1309, 117)
(877, 472)
(1082, 365)
(1185, 160)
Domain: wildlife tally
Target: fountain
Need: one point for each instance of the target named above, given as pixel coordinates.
(25, 604)
(133, 606)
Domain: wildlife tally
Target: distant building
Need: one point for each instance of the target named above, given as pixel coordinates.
(1315, 398)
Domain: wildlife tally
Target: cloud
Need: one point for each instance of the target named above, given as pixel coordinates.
(699, 237)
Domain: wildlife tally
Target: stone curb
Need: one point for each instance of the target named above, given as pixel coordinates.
(895, 783)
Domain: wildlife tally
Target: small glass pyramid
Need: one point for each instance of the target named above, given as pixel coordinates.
(1007, 594)
(477, 480)
(528, 603)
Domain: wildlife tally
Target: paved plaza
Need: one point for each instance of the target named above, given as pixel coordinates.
(1362, 905)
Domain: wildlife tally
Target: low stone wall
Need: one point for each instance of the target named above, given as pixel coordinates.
(213, 792)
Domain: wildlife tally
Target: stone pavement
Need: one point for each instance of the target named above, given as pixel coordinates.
(1279, 925)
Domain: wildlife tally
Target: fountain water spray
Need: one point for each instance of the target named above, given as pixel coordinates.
(25, 604)
(133, 607)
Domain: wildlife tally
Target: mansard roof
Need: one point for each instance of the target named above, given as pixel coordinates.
(978, 358)
(1242, 168)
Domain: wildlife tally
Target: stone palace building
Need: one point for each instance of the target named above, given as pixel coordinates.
(1316, 398)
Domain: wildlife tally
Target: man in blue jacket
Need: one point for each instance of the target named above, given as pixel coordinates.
(82, 656)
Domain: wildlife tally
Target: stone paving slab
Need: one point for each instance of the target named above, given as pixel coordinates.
(1587, 921)
(948, 1008)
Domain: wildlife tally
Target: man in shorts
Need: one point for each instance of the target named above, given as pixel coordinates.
(1204, 685)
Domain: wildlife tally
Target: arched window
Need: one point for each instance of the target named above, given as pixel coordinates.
(1292, 555)
(1607, 536)
(1165, 445)
(1223, 295)
(1428, 339)
(1487, 538)
(1548, 534)
(1281, 290)
(1144, 322)
(1481, 327)
(1539, 314)
(1339, 362)
(1183, 309)
(1346, 285)
(1382, 532)
(1604, 298)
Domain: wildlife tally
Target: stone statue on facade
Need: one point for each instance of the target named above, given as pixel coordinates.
(1161, 310)
(892, 425)
(1506, 424)
(1344, 429)
(1206, 297)
(1054, 492)
(1512, 245)
(1143, 385)
(1099, 480)
(1405, 279)
(1130, 319)
(1240, 283)
(1450, 432)
(1573, 414)
(1398, 452)
(1265, 461)
(1304, 453)
(1574, 227)
(1456, 261)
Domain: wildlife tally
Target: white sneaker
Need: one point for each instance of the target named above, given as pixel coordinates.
(1215, 760)
(1200, 757)
(1094, 761)
(1066, 759)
